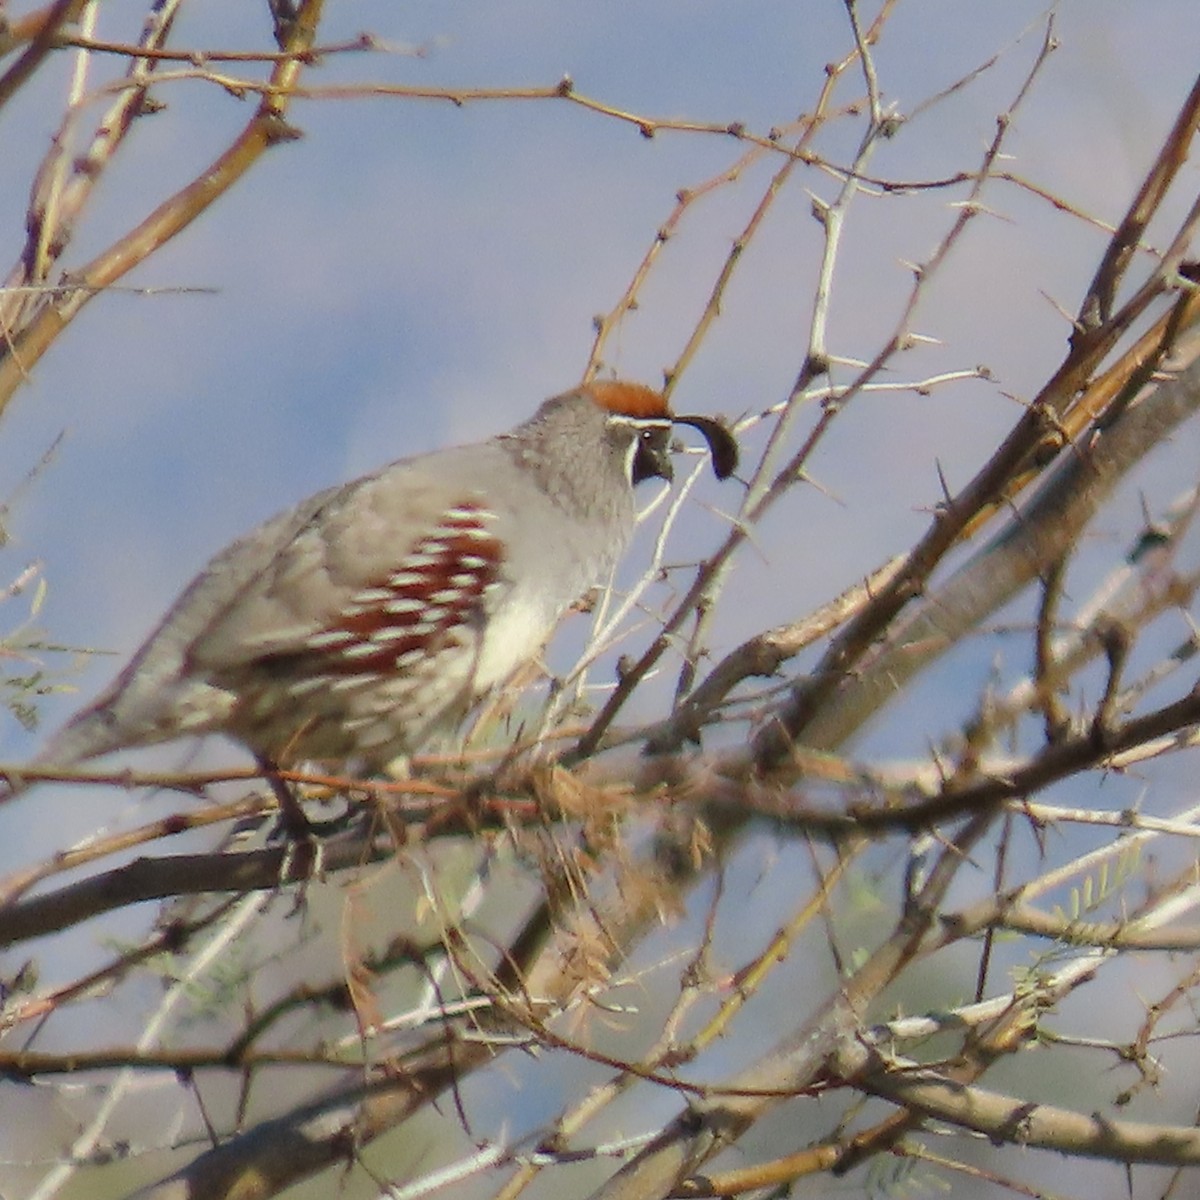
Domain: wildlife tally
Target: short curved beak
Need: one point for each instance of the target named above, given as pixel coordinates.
(722, 445)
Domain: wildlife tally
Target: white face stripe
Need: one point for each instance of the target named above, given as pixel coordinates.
(639, 422)
(630, 455)
(639, 425)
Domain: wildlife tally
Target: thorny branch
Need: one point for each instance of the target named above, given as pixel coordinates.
(606, 924)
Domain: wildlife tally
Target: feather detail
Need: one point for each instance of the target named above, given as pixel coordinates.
(629, 400)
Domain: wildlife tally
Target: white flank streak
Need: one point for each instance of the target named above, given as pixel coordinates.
(350, 683)
(418, 562)
(393, 633)
(371, 596)
(331, 637)
(402, 607)
(360, 650)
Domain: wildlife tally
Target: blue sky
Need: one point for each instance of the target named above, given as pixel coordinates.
(412, 273)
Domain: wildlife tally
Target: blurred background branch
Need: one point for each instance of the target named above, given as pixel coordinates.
(847, 842)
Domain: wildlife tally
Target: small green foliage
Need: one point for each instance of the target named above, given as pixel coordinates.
(1095, 890)
(24, 648)
(901, 1177)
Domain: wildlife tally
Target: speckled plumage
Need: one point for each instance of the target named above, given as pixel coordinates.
(368, 618)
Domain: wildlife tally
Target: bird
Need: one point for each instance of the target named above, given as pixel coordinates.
(365, 622)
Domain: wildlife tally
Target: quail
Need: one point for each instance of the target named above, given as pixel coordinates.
(367, 620)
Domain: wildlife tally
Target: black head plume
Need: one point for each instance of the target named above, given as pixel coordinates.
(722, 445)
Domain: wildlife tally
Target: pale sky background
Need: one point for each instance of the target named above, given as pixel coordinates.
(411, 273)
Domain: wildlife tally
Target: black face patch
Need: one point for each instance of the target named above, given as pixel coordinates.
(651, 454)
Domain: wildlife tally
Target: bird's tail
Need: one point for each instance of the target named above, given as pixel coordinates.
(88, 734)
(133, 712)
